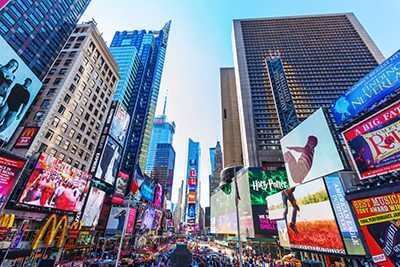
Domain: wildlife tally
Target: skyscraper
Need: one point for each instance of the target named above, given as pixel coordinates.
(163, 169)
(71, 108)
(216, 166)
(141, 99)
(37, 30)
(321, 57)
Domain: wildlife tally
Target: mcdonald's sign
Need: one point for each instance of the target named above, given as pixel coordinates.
(6, 222)
(54, 226)
(26, 137)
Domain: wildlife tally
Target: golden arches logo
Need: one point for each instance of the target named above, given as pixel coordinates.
(54, 228)
(7, 220)
(29, 132)
(76, 225)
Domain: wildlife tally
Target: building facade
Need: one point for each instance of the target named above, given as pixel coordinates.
(163, 169)
(141, 99)
(231, 138)
(71, 108)
(322, 56)
(37, 30)
(216, 166)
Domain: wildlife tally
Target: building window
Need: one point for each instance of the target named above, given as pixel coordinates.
(71, 133)
(57, 81)
(74, 148)
(49, 135)
(52, 71)
(61, 156)
(66, 144)
(78, 137)
(61, 109)
(67, 98)
(63, 71)
(38, 116)
(58, 140)
(55, 122)
(53, 152)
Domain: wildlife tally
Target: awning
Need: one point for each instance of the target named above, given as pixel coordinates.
(15, 253)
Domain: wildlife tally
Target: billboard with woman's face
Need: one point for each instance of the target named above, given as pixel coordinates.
(93, 207)
(55, 184)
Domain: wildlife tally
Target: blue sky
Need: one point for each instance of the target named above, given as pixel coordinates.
(200, 44)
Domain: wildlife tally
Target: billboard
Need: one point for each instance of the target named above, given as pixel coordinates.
(192, 197)
(131, 221)
(158, 195)
(374, 144)
(309, 151)
(55, 184)
(18, 88)
(148, 218)
(379, 217)
(109, 162)
(11, 167)
(147, 190)
(3, 3)
(157, 219)
(347, 225)
(191, 210)
(262, 224)
(93, 207)
(116, 220)
(308, 229)
(283, 233)
(26, 137)
(120, 124)
(120, 188)
(374, 87)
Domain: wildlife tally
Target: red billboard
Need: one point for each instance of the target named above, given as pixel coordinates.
(379, 218)
(10, 169)
(26, 137)
(192, 197)
(55, 184)
(375, 143)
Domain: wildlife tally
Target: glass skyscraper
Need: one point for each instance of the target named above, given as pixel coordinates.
(163, 169)
(141, 99)
(38, 29)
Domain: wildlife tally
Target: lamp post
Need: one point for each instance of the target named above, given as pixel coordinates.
(229, 175)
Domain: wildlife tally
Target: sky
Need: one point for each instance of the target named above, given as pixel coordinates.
(200, 44)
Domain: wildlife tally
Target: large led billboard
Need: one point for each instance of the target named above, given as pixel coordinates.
(148, 218)
(375, 143)
(374, 87)
(93, 207)
(11, 167)
(158, 195)
(379, 217)
(120, 124)
(55, 184)
(107, 168)
(120, 188)
(18, 88)
(308, 229)
(147, 190)
(116, 221)
(309, 151)
(26, 137)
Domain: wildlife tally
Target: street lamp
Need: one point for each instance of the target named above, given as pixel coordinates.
(228, 175)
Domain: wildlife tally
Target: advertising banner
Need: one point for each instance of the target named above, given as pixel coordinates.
(375, 143)
(109, 162)
(283, 233)
(262, 224)
(55, 184)
(344, 217)
(26, 137)
(223, 214)
(120, 124)
(131, 221)
(264, 183)
(379, 218)
(192, 210)
(375, 86)
(147, 190)
(309, 151)
(18, 88)
(148, 218)
(120, 188)
(308, 229)
(192, 197)
(157, 219)
(158, 195)
(11, 167)
(116, 221)
(93, 207)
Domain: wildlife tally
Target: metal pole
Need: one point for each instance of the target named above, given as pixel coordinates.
(124, 229)
(237, 222)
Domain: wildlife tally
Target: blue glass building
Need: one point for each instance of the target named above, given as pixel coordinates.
(141, 99)
(163, 170)
(192, 184)
(38, 29)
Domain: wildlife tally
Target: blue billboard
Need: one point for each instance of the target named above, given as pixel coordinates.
(375, 86)
(147, 190)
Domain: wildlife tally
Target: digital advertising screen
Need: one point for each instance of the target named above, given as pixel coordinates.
(147, 190)
(262, 224)
(374, 144)
(93, 207)
(158, 195)
(148, 218)
(379, 217)
(11, 167)
(55, 184)
(374, 87)
(26, 137)
(309, 151)
(308, 229)
(18, 88)
(191, 210)
(120, 188)
(131, 221)
(192, 197)
(283, 233)
(157, 219)
(3, 3)
(116, 221)
(109, 162)
(120, 124)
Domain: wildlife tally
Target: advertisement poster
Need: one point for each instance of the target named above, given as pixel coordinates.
(379, 218)
(375, 86)
(93, 207)
(223, 214)
(148, 218)
(344, 217)
(26, 137)
(157, 219)
(192, 197)
(309, 151)
(120, 124)
(283, 233)
(262, 224)
(120, 188)
(109, 162)
(116, 221)
(158, 195)
(147, 190)
(191, 210)
(11, 167)
(18, 88)
(307, 229)
(55, 184)
(131, 221)
(275, 206)
(375, 144)
(264, 183)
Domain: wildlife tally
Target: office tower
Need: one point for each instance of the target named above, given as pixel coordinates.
(38, 29)
(216, 166)
(231, 139)
(178, 209)
(321, 57)
(141, 99)
(72, 106)
(192, 185)
(164, 165)
(162, 133)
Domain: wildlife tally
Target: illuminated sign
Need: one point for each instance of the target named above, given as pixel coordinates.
(26, 137)
(55, 226)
